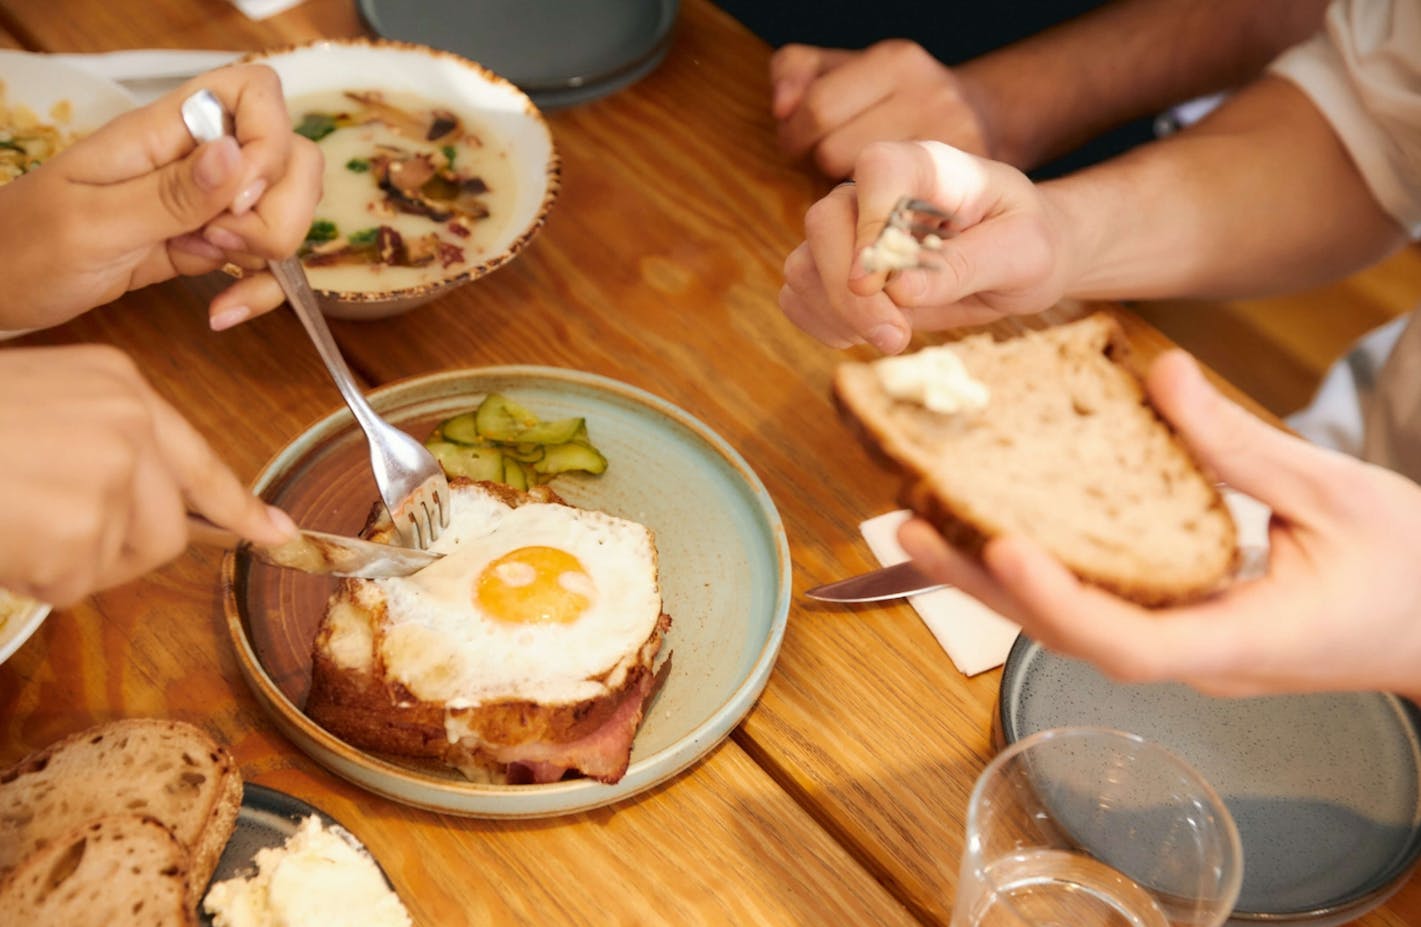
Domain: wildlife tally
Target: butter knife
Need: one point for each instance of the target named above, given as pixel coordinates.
(894, 582)
(319, 552)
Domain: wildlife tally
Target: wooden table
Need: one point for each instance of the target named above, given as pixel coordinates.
(840, 798)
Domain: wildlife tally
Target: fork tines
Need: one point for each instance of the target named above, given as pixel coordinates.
(918, 217)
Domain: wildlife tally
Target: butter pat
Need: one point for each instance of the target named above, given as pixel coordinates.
(934, 378)
(317, 877)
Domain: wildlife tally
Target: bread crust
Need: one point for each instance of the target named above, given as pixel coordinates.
(372, 711)
(926, 495)
(171, 770)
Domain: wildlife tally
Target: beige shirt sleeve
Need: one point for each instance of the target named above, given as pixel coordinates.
(1363, 71)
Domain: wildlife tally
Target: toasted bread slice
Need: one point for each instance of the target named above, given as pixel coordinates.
(115, 871)
(169, 770)
(357, 696)
(1067, 451)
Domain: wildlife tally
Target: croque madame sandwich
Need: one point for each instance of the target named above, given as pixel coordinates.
(524, 655)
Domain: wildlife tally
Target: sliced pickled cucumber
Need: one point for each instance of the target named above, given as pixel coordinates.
(513, 474)
(561, 458)
(525, 453)
(559, 432)
(461, 429)
(501, 419)
(475, 463)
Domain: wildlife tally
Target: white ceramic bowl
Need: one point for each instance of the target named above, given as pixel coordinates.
(460, 85)
(40, 83)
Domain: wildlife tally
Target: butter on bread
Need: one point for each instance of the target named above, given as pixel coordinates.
(403, 667)
(170, 771)
(1068, 451)
(114, 871)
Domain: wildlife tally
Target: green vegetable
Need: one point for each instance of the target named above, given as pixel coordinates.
(13, 146)
(503, 442)
(321, 230)
(449, 152)
(358, 165)
(364, 236)
(316, 126)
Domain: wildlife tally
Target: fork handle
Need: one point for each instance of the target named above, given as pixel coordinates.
(292, 278)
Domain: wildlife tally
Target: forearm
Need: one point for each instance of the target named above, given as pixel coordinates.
(1045, 95)
(1261, 197)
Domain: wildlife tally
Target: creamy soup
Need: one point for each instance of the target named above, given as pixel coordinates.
(413, 192)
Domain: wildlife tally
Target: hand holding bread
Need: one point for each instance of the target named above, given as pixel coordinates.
(1337, 609)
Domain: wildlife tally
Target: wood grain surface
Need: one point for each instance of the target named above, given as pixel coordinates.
(840, 798)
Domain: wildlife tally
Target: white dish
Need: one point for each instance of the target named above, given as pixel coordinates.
(462, 86)
(18, 626)
(40, 82)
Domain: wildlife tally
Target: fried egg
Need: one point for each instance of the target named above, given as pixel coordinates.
(541, 601)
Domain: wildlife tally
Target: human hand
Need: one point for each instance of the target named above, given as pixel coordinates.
(1340, 605)
(138, 202)
(832, 102)
(99, 473)
(1005, 254)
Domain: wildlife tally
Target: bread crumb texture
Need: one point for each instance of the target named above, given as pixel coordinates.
(1069, 452)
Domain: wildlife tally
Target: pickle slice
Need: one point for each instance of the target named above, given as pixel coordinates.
(501, 419)
(476, 463)
(571, 456)
(461, 429)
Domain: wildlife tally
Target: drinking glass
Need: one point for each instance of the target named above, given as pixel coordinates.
(1091, 827)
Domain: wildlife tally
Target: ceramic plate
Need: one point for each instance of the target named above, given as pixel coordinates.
(19, 618)
(39, 82)
(561, 53)
(268, 818)
(1325, 789)
(724, 569)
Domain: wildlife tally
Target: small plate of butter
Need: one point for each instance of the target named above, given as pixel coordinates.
(288, 862)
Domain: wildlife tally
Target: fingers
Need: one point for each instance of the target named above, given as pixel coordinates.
(843, 87)
(828, 228)
(793, 68)
(253, 295)
(189, 191)
(206, 485)
(276, 227)
(1292, 476)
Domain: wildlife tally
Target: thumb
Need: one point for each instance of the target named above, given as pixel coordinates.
(1238, 447)
(179, 197)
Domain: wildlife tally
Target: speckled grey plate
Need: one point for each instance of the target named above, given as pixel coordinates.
(1325, 789)
(723, 557)
(560, 52)
(268, 818)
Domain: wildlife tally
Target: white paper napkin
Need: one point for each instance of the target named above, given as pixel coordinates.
(978, 639)
(975, 637)
(261, 9)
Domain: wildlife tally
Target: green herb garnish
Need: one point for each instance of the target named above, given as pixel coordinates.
(449, 153)
(12, 146)
(320, 231)
(364, 236)
(358, 165)
(316, 126)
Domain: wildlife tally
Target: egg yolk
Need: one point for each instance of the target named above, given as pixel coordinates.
(534, 585)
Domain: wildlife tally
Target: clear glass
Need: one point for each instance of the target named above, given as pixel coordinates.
(1090, 827)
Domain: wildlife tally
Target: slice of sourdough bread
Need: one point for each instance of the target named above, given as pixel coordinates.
(168, 770)
(1067, 451)
(116, 871)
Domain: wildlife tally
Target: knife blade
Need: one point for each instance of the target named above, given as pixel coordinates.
(322, 553)
(892, 582)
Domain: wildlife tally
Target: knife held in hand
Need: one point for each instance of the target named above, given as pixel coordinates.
(319, 552)
(892, 582)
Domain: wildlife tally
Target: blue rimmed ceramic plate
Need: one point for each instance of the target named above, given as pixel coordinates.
(724, 570)
(1325, 788)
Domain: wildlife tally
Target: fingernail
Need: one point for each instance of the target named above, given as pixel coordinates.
(245, 200)
(224, 238)
(215, 165)
(281, 521)
(888, 338)
(229, 317)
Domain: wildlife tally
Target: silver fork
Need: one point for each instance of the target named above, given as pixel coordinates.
(917, 219)
(412, 484)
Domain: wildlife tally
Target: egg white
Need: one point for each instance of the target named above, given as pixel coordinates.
(442, 646)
